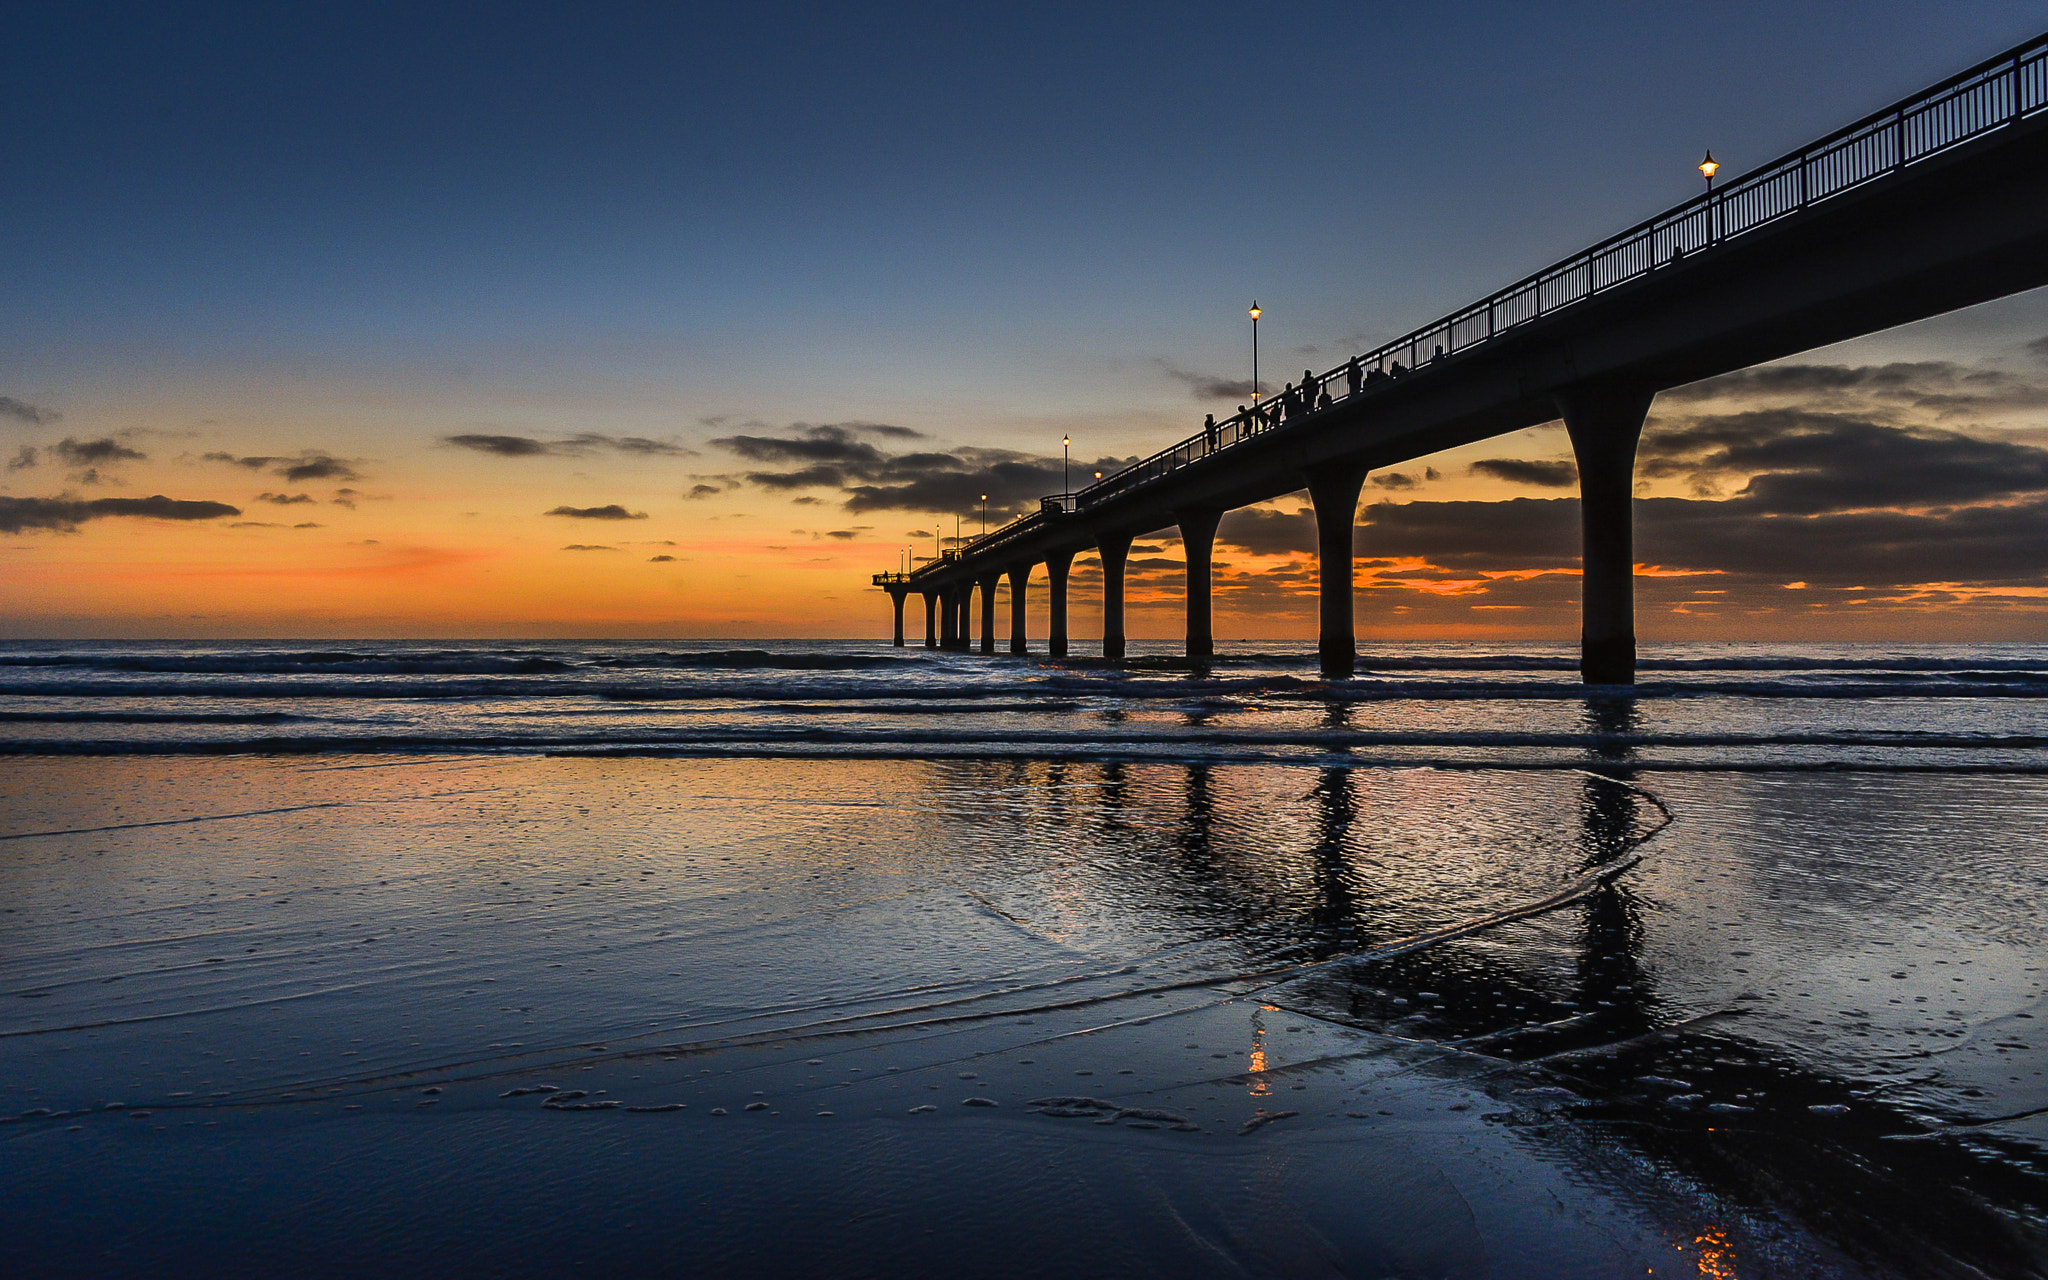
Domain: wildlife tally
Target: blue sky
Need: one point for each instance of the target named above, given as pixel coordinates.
(357, 230)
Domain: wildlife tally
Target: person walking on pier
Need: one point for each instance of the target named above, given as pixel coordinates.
(1209, 433)
(1354, 375)
(1290, 404)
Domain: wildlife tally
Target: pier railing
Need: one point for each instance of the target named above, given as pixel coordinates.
(1990, 96)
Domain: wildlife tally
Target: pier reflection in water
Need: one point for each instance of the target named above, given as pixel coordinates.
(1681, 1076)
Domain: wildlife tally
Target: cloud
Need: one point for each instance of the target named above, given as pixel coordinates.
(24, 458)
(345, 498)
(319, 467)
(612, 511)
(1266, 532)
(310, 464)
(832, 457)
(308, 524)
(84, 453)
(23, 411)
(581, 444)
(1802, 462)
(579, 546)
(700, 491)
(64, 515)
(828, 445)
(661, 559)
(1560, 474)
(503, 446)
(1394, 480)
(1208, 386)
(285, 500)
(844, 535)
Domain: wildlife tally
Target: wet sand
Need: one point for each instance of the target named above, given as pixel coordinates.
(509, 1016)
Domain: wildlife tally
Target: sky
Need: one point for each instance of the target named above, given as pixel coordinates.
(665, 320)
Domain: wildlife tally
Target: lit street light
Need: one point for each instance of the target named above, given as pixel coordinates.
(1708, 168)
(1066, 486)
(1255, 314)
(984, 515)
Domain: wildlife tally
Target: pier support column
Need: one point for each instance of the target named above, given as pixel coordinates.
(963, 602)
(931, 621)
(1197, 540)
(1605, 423)
(1115, 548)
(1020, 576)
(896, 595)
(1056, 566)
(949, 618)
(1334, 491)
(988, 611)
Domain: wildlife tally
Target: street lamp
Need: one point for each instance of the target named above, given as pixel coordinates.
(984, 515)
(1255, 313)
(1708, 168)
(1066, 486)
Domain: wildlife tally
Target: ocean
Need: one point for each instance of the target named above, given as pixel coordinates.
(496, 958)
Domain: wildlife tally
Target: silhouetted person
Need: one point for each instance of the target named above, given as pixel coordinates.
(1438, 356)
(1290, 403)
(1309, 387)
(1209, 431)
(1323, 400)
(1376, 375)
(1354, 375)
(1398, 369)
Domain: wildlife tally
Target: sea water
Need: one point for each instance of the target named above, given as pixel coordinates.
(495, 958)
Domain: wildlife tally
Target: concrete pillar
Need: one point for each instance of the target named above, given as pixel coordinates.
(1334, 491)
(1020, 576)
(1056, 566)
(1605, 423)
(896, 595)
(963, 605)
(949, 619)
(1115, 548)
(931, 634)
(988, 612)
(1197, 539)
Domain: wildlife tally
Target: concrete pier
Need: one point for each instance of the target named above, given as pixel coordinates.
(987, 586)
(1334, 491)
(1198, 540)
(931, 634)
(1115, 548)
(1056, 566)
(1605, 424)
(896, 595)
(1020, 577)
(1927, 207)
(949, 618)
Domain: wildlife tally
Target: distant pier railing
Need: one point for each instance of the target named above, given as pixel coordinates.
(1990, 96)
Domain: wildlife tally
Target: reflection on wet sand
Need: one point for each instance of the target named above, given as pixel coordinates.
(1740, 1135)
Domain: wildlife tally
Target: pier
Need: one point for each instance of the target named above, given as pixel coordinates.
(1936, 203)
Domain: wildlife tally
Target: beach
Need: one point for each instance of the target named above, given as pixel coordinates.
(855, 961)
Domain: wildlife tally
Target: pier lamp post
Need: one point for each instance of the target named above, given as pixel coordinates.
(1708, 168)
(984, 515)
(1255, 314)
(1066, 485)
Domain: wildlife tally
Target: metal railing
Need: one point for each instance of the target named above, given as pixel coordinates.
(1990, 96)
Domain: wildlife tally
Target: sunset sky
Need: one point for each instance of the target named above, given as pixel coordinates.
(670, 321)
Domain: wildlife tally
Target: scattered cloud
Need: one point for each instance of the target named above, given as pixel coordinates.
(1208, 386)
(579, 445)
(24, 458)
(844, 535)
(1552, 474)
(700, 491)
(611, 511)
(310, 464)
(23, 411)
(285, 500)
(579, 546)
(64, 515)
(86, 453)
(661, 559)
